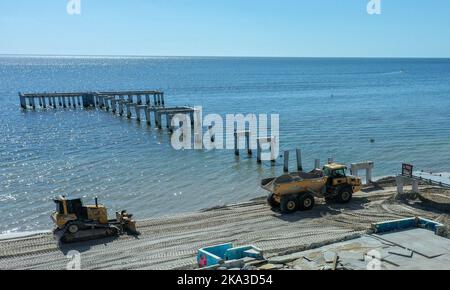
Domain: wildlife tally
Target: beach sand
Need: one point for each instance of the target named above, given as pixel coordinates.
(172, 242)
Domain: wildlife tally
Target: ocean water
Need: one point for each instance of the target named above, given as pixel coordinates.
(327, 107)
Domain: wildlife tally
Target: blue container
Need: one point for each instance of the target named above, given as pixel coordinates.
(218, 254)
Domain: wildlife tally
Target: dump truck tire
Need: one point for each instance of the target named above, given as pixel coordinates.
(345, 195)
(271, 201)
(306, 202)
(330, 199)
(289, 204)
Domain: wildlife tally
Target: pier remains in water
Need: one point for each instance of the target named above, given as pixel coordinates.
(140, 105)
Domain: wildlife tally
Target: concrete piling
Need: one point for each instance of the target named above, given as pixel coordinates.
(147, 116)
(237, 136)
(415, 186)
(168, 121)
(23, 103)
(262, 141)
(286, 161)
(120, 102)
(317, 164)
(113, 105)
(367, 166)
(138, 112)
(158, 120)
(107, 107)
(299, 160)
(128, 106)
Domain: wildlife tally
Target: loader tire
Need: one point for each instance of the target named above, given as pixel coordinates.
(289, 205)
(345, 195)
(306, 202)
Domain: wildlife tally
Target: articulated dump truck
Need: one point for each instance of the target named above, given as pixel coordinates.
(296, 191)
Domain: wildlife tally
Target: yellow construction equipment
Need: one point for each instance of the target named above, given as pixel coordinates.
(75, 222)
(296, 191)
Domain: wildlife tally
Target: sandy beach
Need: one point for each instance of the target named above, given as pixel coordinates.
(173, 242)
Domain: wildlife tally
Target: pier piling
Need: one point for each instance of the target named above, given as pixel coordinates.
(115, 102)
(286, 162)
(317, 164)
(299, 160)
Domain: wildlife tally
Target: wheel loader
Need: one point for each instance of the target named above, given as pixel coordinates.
(76, 222)
(297, 191)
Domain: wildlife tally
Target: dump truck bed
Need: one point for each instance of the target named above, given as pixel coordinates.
(295, 183)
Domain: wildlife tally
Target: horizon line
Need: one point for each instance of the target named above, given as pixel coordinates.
(217, 56)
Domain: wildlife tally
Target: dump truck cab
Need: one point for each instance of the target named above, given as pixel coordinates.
(297, 191)
(337, 180)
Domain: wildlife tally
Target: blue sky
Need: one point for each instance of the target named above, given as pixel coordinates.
(303, 28)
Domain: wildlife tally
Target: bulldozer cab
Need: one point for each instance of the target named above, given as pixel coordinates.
(65, 206)
(74, 209)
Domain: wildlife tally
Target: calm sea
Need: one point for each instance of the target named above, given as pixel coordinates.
(385, 110)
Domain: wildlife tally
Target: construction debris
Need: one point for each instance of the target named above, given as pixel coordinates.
(173, 242)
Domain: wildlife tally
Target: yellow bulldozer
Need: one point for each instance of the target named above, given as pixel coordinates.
(296, 191)
(76, 222)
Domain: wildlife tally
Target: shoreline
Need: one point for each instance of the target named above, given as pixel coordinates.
(173, 242)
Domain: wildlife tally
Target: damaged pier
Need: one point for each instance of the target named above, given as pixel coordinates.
(140, 105)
